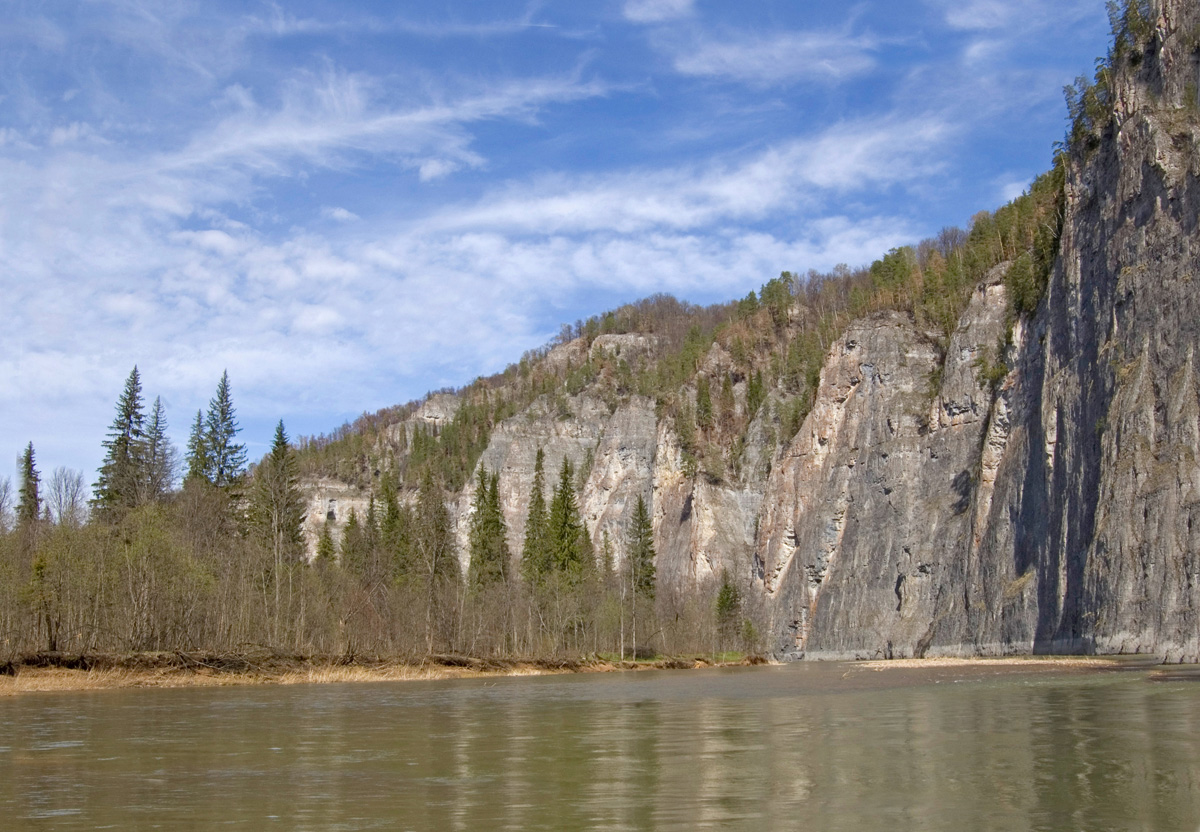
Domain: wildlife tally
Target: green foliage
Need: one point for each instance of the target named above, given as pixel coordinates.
(489, 555)
(755, 393)
(159, 458)
(990, 371)
(326, 548)
(276, 505)
(728, 606)
(704, 405)
(124, 467)
(565, 531)
(640, 552)
(895, 270)
(535, 554)
(29, 504)
(776, 296)
(224, 459)
(197, 450)
(356, 546)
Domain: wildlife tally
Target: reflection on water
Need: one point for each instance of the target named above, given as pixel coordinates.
(797, 747)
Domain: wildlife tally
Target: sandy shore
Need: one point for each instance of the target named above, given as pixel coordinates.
(165, 671)
(993, 661)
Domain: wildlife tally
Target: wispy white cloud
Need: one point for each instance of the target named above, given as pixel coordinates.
(657, 11)
(338, 213)
(778, 57)
(846, 157)
(325, 119)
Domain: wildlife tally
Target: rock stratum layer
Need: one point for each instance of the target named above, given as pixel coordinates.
(919, 511)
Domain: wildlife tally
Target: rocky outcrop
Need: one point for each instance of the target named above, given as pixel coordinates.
(867, 513)
(1059, 515)
(926, 507)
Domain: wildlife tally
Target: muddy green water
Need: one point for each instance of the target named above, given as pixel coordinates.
(814, 746)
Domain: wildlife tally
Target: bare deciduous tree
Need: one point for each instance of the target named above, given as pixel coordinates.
(67, 497)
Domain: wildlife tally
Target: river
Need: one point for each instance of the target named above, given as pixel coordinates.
(806, 747)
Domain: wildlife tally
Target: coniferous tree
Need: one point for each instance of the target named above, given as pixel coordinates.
(728, 607)
(395, 531)
(120, 483)
(641, 552)
(755, 393)
(326, 548)
(226, 459)
(277, 508)
(355, 547)
(160, 457)
(704, 405)
(197, 451)
(565, 529)
(433, 550)
(29, 504)
(535, 555)
(433, 542)
(488, 535)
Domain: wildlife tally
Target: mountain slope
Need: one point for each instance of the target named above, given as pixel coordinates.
(986, 443)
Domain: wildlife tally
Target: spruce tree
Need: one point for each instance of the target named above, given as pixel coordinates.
(226, 459)
(121, 475)
(640, 551)
(755, 393)
(535, 555)
(395, 530)
(197, 451)
(326, 548)
(565, 526)
(355, 546)
(29, 504)
(433, 542)
(488, 535)
(159, 457)
(276, 506)
(728, 607)
(501, 555)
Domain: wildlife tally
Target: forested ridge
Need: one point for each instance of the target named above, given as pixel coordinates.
(201, 551)
(204, 552)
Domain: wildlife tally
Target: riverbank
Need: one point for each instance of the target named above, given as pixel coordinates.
(47, 672)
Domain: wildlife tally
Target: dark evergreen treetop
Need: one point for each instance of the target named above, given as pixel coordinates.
(124, 468)
(226, 459)
(197, 450)
(535, 554)
(276, 506)
(29, 504)
(488, 534)
(159, 457)
(565, 526)
(640, 551)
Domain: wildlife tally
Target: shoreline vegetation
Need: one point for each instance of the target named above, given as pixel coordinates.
(50, 672)
(47, 672)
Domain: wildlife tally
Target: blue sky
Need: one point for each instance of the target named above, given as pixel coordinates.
(347, 204)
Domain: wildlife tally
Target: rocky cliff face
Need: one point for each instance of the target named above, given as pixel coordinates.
(924, 508)
(1058, 514)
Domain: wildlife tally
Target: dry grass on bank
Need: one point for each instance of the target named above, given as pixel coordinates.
(43, 673)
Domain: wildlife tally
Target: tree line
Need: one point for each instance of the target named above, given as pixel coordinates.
(203, 552)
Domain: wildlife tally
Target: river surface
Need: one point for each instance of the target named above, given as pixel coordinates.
(806, 747)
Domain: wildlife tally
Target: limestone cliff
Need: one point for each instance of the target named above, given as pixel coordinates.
(928, 503)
